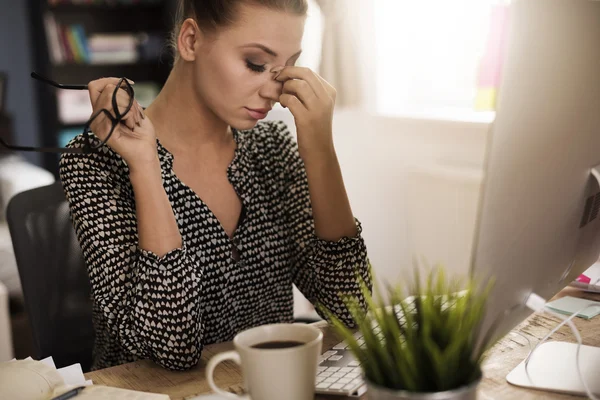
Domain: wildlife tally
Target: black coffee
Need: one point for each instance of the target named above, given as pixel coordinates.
(277, 344)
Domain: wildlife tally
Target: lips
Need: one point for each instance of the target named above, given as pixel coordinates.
(258, 113)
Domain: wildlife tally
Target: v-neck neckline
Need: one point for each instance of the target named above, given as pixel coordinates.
(232, 164)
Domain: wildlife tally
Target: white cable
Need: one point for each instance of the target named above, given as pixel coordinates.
(525, 337)
(533, 302)
(569, 321)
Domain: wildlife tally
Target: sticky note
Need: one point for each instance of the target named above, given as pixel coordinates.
(569, 305)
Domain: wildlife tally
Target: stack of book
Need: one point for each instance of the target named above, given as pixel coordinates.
(111, 48)
(69, 44)
(103, 2)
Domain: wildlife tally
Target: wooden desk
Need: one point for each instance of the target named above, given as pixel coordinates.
(147, 376)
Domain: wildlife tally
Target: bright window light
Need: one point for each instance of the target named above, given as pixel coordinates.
(428, 54)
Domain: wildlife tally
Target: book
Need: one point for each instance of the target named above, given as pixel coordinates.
(40, 380)
(51, 28)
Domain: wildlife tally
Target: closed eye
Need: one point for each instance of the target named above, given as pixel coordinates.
(255, 67)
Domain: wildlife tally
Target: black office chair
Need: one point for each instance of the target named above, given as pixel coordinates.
(53, 275)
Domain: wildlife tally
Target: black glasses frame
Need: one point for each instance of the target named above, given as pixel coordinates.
(88, 146)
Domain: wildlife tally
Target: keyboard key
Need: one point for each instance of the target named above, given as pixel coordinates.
(344, 380)
(328, 353)
(338, 375)
(346, 369)
(352, 364)
(321, 369)
(333, 369)
(323, 385)
(356, 369)
(326, 374)
(357, 381)
(340, 346)
(336, 386)
(335, 358)
(329, 380)
(320, 379)
(353, 375)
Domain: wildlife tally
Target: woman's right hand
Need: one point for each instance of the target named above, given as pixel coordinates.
(134, 138)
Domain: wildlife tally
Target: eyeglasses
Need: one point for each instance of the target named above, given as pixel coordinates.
(88, 145)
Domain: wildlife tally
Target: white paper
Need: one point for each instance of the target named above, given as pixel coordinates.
(49, 361)
(111, 393)
(72, 375)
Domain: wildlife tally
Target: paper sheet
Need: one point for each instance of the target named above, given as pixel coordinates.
(97, 392)
(29, 379)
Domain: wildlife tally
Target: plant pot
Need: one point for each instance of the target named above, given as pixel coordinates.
(469, 392)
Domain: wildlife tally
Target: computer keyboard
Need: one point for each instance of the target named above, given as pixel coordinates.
(339, 372)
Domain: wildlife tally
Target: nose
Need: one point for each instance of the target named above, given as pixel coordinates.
(271, 90)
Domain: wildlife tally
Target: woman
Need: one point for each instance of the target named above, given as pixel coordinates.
(196, 219)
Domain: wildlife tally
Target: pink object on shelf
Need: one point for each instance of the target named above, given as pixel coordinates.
(583, 279)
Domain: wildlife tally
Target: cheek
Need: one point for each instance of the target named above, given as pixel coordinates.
(230, 84)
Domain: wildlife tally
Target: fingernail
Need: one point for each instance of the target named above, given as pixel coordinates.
(130, 81)
(277, 69)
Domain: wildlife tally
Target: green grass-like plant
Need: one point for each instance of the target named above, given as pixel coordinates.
(436, 349)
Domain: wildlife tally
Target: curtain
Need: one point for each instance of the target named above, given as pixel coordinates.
(490, 68)
(339, 51)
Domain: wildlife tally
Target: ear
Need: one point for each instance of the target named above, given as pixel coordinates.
(189, 40)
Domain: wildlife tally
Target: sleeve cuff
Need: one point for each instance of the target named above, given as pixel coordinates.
(171, 260)
(343, 242)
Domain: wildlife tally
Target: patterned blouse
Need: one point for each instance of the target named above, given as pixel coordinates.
(167, 308)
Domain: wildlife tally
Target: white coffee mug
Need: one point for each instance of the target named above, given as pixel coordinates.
(274, 373)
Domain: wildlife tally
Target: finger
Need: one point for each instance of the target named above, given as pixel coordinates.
(306, 74)
(96, 87)
(128, 114)
(328, 87)
(135, 112)
(302, 90)
(141, 110)
(293, 103)
(101, 126)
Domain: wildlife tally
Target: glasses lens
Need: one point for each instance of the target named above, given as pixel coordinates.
(123, 88)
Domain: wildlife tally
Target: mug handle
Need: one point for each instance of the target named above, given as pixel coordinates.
(212, 364)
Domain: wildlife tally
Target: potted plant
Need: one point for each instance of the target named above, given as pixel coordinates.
(426, 346)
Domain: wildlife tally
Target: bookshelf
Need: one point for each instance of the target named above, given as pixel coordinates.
(76, 41)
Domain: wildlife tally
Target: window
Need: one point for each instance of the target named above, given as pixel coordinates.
(428, 54)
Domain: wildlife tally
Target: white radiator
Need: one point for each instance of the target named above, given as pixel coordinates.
(442, 204)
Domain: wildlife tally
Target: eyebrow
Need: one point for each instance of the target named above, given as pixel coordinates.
(268, 50)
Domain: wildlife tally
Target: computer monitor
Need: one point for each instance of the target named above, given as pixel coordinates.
(538, 224)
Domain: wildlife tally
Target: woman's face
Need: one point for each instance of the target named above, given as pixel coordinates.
(232, 69)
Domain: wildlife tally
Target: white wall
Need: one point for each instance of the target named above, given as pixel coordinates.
(414, 184)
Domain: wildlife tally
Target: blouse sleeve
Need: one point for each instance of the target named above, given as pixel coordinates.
(322, 270)
(150, 303)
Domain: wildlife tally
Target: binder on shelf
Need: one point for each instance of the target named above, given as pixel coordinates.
(53, 38)
(82, 40)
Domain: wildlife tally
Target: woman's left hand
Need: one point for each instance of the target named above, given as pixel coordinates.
(311, 100)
